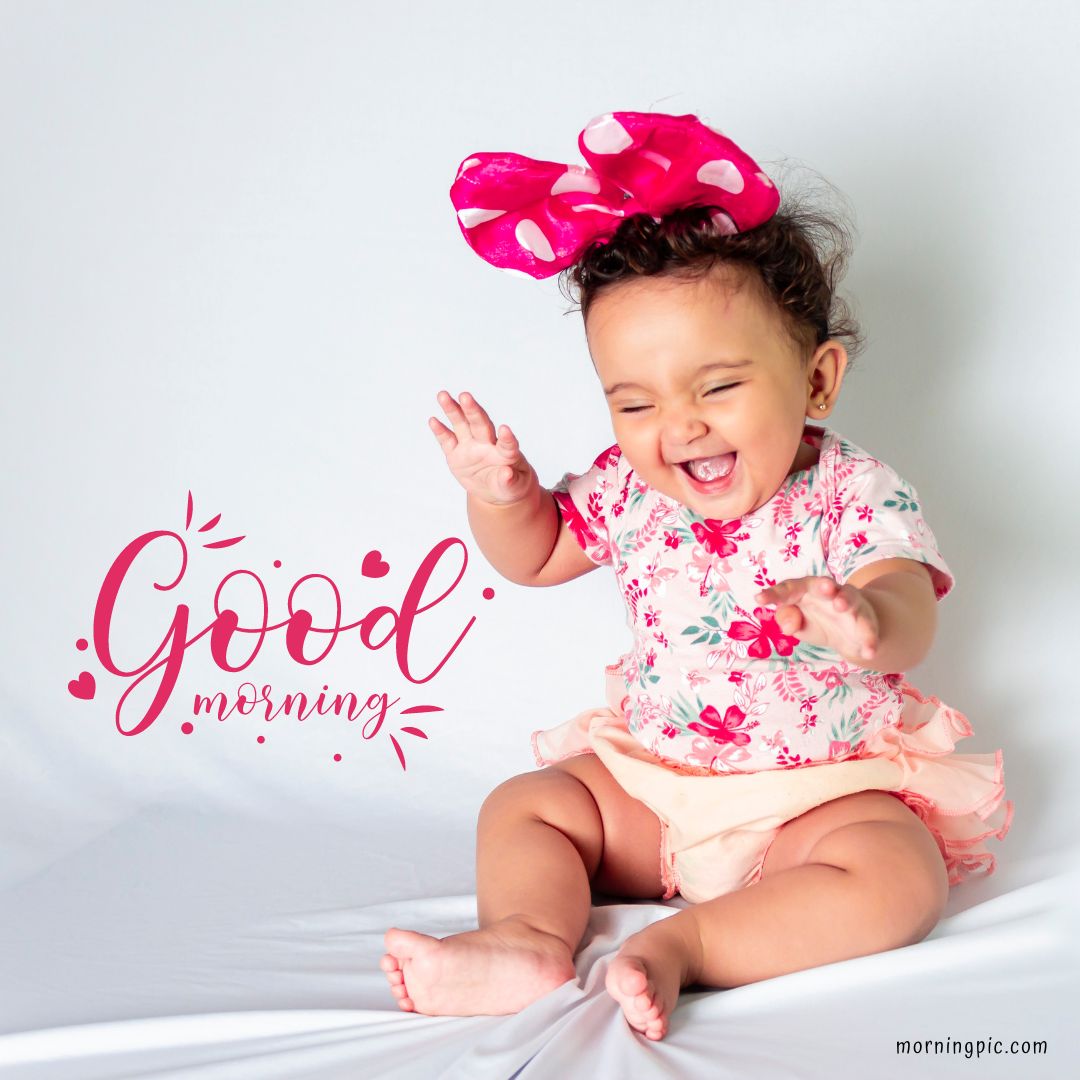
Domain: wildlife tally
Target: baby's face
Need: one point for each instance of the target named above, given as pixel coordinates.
(660, 347)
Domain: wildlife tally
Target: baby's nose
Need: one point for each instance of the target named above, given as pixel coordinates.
(684, 428)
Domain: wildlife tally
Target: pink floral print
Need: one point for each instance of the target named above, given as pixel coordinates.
(711, 680)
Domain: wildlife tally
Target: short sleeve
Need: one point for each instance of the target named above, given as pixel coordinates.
(584, 501)
(874, 515)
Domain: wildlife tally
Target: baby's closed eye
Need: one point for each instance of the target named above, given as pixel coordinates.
(714, 390)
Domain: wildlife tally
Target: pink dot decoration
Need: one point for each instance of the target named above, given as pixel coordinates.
(337, 757)
(187, 727)
(261, 738)
(277, 564)
(488, 593)
(82, 644)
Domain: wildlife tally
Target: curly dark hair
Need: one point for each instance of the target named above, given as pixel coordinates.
(796, 259)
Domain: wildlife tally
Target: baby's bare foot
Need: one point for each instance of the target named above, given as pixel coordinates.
(489, 972)
(646, 976)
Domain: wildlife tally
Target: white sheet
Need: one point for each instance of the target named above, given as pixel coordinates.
(229, 265)
(168, 948)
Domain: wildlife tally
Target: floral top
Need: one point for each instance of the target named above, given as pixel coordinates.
(711, 680)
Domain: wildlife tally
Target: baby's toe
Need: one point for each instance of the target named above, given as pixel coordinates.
(646, 1006)
(399, 992)
(389, 963)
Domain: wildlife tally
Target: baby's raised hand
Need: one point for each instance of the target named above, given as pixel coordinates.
(820, 611)
(489, 467)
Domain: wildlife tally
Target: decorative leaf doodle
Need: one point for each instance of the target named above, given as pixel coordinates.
(401, 756)
(224, 543)
(209, 525)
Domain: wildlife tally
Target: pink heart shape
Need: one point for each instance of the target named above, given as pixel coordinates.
(374, 566)
(83, 687)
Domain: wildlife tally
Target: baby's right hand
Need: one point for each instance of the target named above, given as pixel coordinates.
(491, 468)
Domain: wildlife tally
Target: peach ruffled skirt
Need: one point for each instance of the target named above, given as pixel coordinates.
(716, 828)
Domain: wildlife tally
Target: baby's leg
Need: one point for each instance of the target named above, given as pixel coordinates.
(854, 876)
(542, 838)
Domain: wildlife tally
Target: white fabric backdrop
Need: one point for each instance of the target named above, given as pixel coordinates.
(230, 266)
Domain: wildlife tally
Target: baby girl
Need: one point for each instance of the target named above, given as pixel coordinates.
(761, 752)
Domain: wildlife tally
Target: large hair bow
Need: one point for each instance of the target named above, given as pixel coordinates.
(536, 217)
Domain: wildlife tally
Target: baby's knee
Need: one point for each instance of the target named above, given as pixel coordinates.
(903, 872)
(549, 794)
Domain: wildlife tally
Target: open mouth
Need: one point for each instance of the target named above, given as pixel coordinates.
(709, 470)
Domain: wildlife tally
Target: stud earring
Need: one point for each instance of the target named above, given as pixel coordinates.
(823, 406)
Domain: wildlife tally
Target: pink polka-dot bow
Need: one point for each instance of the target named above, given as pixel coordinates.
(536, 217)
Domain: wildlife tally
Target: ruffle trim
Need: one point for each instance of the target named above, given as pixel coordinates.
(960, 798)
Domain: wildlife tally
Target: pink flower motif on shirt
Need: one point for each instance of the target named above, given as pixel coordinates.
(656, 576)
(866, 513)
(651, 616)
(717, 757)
(694, 678)
(787, 760)
(701, 568)
(762, 578)
(574, 519)
(652, 712)
(791, 552)
(719, 536)
(609, 456)
(832, 677)
(661, 639)
(764, 635)
(722, 729)
(858, 539)
(672, 540)
(793, 530)
(773, 742)
(590, 534)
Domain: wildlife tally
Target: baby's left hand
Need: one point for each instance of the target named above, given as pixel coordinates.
(820, 611)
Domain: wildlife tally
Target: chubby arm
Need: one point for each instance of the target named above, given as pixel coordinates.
(888, 607)
(901, 593)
